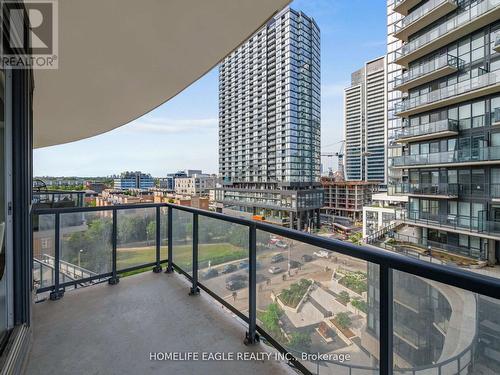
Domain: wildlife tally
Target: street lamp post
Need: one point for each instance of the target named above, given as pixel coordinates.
(79, 257)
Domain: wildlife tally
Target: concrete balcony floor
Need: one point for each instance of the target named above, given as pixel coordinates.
(106, 329)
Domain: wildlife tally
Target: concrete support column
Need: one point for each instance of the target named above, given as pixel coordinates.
(318, 218)
(299, 220)
(292, 216)
(490, 255)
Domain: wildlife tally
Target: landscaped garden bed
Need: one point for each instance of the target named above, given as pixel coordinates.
(342, 322)
(355, 281)
(292, 296)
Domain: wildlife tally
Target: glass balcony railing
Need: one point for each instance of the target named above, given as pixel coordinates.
(479, 224)
(418, 13)
(433, 65)
(450, 157)
(448, 26)
(426, 189)
(306, 295)
(470, 85)
(447, 125)
(425, 249)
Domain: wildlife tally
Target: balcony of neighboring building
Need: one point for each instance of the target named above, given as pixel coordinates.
(484, 84)
(480, 224)
(432, 130)
(438, 67)
(432, 190)
(423, 16)
(473, 156)
(478, 15)
(403, 6)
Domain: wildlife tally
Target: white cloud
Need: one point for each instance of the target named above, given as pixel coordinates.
(171, 126)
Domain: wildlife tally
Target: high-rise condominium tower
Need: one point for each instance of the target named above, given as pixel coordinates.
(364, 123)
(450, 114)
(269, 123)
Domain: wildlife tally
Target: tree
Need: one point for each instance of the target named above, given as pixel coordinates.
(151, 231)
(270, 319)
(344, 297)
(355, 238)
(300, 341)
(343, 320)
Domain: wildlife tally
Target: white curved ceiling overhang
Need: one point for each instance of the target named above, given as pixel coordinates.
(119, 59)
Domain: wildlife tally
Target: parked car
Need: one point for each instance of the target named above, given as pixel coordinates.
(275, 269)
(228, 268)
(273, 241)
(294, 264)
(212, 272)
(322, 254)
(237, 276)
(306, 258)
(244, 265)
(277, 258)
(282, 245)
(235, 284)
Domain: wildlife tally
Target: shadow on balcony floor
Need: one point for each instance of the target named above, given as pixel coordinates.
(112, 330)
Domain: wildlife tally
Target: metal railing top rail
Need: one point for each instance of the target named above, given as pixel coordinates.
(481, 284)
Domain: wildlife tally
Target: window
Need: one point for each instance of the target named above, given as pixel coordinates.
(464, 114)
(478, 112)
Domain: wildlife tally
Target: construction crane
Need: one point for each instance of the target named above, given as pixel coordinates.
(340, 156)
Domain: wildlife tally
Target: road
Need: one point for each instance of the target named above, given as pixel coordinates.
(319, 269)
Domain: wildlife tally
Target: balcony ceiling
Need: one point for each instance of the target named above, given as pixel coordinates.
(119, 59)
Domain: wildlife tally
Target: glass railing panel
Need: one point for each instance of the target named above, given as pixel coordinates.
(163, 233)
(223, 260)
(484, 80)
(313, 301)
(448, 26)
(43, 250)
(136, 237)
(182, 240)
(433, 127)
(418, 13)
(440, 329)
(86, 244)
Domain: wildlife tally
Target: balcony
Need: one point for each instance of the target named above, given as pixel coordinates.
(479, 15)
(484, 84)
(483, 156)
(433, 130)
(439, 190)
(438, 67)
(114, 329)
(240, 273)
(460, 224)
(403, 6)
(423, 16)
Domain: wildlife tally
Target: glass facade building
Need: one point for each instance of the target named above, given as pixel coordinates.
(269, 122)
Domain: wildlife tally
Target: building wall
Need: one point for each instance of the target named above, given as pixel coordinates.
(269, 96)
(365, 123)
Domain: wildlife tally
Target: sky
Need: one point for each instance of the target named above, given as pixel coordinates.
(182, 133)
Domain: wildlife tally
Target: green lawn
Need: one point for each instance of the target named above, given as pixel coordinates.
(216, 253)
